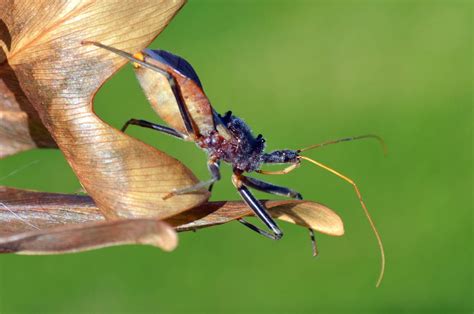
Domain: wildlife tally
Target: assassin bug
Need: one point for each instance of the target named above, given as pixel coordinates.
(176, 94)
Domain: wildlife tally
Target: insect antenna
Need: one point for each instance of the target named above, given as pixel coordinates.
(369, 218)
(347, 139)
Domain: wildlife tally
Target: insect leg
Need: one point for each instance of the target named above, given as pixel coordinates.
(277, 190)
(313, 242)
(172, 81)
(213, 166)
(188, 124)
(156, 127)
(258, 209)
(217, 173)
(270, 188)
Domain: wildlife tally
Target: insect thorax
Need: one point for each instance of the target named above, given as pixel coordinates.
(242, 150)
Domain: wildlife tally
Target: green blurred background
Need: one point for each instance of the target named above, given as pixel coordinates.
(299, 72)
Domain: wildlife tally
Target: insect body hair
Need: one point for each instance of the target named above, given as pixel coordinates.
(242, 150)
(284, 156)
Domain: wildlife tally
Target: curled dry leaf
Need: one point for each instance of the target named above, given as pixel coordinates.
(20, 126)
(78, 238)
(41, 43)
(303, 213)
(30, 216)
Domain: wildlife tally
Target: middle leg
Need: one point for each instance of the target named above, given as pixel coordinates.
(259, 210)
(270, 188)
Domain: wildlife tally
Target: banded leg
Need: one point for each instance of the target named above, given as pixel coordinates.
(213, 166)
(258, 209)
(153, 126)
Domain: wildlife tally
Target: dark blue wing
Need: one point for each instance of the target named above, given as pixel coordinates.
(176, 62)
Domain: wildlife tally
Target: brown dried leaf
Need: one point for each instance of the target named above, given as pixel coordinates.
(84, 237)
(22, 211)
(20, 126)
(310, 214)
(125, 177)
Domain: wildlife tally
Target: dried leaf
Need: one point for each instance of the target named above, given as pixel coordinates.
(310, 214)
(23, 210)
(42, 43)
(20, 126)
(304, 213)
(83, 237)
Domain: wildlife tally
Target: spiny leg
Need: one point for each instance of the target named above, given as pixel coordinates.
(258, 209)
(153, 126)
(213, 166)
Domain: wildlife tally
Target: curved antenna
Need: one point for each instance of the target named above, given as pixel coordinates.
(347, 139)
(369, 218)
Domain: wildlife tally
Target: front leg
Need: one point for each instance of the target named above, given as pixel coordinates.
(213, 166)
(277, 190)
(215, 173)
(258, 209)
(270, 188)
